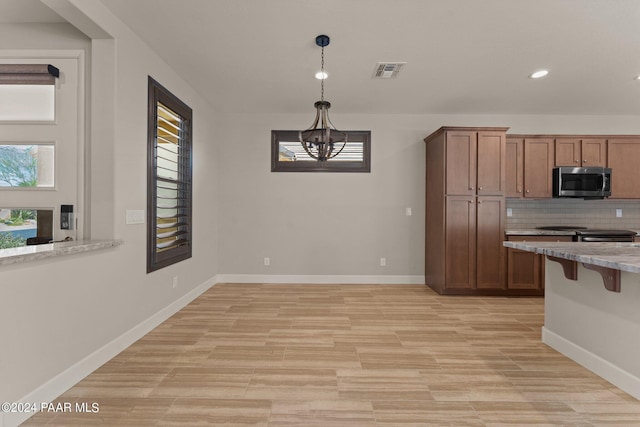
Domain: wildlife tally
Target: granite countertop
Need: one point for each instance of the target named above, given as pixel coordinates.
(619, 256)
(36, 252)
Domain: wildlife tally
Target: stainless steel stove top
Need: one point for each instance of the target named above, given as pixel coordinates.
(584, 234)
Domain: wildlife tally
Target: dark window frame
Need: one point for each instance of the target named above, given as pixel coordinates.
(364, 166)
(160, 259)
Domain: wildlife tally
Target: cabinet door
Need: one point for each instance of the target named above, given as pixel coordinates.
(490, 261)
(538, 164)
(623, 155)
(461, 162)
(524, 270)
(594, 152)
(514, 167)
(460, 247)
(568, 152)
(491, 163)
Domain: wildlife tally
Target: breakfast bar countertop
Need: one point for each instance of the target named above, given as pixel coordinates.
(37, 252)
(618, 256)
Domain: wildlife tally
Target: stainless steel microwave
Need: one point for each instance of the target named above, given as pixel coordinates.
(590, 182)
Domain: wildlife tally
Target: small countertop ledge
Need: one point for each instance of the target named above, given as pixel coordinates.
(37, 252)
(618, 256)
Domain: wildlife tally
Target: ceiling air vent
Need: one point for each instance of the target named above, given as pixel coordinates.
(387, 70)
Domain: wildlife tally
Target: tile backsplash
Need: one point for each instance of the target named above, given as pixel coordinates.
(586, 213)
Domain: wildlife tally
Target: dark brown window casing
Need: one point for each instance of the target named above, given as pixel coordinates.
(169, 177)
(288, 155)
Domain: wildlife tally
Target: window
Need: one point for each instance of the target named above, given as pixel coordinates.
(20, 227)
(168, 179)
(288, 155)
(26, 165)
(27, 92)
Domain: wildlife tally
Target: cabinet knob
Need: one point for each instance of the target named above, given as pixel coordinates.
(577, 161)
(479, 202)
(519, 191)
(527, 191)
(584, 161)
(470, 201)
(470, 188)
(479, 188)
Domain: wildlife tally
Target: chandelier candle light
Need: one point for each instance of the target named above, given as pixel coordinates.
(324, 142)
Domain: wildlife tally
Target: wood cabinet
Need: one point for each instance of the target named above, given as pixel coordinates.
(514, 167)
(474, 255)
(525, 270)
(490, 253)
(538, 166)
(475, 162)
(623, 155)
(528, 166)
(580, 152)
(465, 209)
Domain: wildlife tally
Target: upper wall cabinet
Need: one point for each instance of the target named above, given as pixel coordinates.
(538, 166)
(623, 155)
(529, 163)
(474, 162)
(514, 167)
(581, 152)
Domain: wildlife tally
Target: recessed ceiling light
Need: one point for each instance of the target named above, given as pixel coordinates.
(321, 75)
(539, 74)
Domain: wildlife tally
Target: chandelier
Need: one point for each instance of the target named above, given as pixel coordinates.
(322, 141)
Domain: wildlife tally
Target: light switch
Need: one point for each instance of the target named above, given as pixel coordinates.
(618, 213)
(509, 212)
(407, 211)
(135, 216)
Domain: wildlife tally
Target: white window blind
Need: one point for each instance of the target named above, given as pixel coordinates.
(27, 92)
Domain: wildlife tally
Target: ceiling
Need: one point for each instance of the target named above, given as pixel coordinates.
(463, 56)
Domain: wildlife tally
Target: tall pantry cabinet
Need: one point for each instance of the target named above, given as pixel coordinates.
(465, 207)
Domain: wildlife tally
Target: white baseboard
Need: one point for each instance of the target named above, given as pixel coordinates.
(622, 379)
(53, 388)
(321, 279)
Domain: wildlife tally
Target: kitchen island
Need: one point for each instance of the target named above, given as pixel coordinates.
(592, 306)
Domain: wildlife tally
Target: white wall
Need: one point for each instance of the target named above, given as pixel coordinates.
(321, 223)
(57, 312)
(331, 224)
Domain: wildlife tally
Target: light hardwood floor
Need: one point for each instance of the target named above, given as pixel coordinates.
(346, 355)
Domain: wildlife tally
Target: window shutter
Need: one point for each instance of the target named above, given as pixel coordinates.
(169, 200)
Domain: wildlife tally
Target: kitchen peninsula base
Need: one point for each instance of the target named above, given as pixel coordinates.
(595, 327)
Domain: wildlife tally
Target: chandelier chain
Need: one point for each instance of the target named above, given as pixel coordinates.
(323, 76)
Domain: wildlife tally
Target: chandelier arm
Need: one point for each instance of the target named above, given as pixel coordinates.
(304, 145)
(314, 125)
(339, 151)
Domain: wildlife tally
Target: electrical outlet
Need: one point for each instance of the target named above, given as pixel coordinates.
(383, 262)
(618, 213)
(175, 282)
(509, 212)
(407, 211)
(267, 261)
